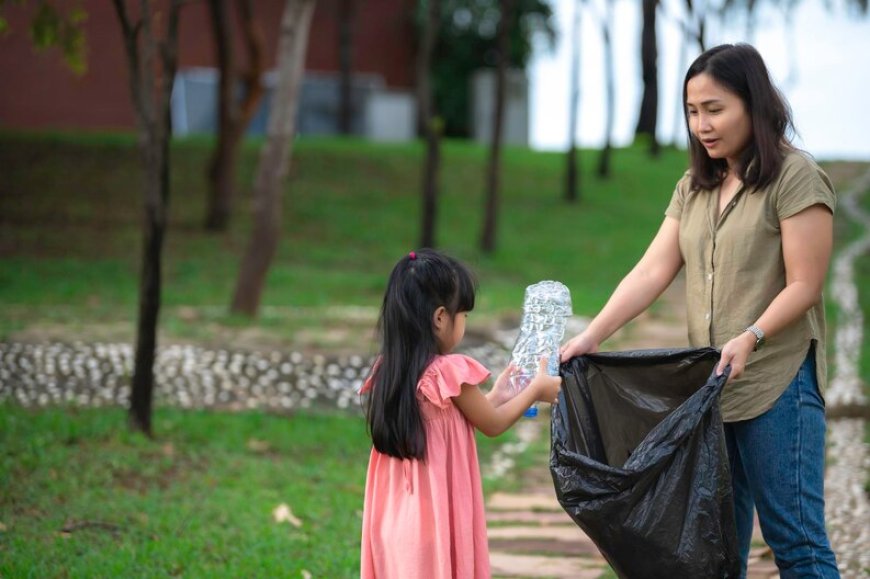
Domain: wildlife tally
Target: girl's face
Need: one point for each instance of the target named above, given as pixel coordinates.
(717, 118)
(449, 330)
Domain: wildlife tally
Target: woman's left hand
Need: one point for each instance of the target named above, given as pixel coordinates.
(736, 352)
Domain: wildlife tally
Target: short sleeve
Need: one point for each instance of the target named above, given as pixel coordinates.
(802, 185)
(675, 207)
(444, 377)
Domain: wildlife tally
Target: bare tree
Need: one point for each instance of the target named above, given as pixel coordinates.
(493, 184)
(606, 21)
(647, 121)
(692, 26)
(431, 125)
(152, 58)
(274, 157)
(346, 18)
(572, 171)
(234, 115)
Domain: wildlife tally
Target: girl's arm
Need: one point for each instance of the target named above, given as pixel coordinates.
(807, 240)
(650, 277)
(492, 420)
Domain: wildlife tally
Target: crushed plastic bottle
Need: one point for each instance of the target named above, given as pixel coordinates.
(546, 309)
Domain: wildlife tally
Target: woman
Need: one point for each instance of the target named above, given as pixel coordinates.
(752, 221)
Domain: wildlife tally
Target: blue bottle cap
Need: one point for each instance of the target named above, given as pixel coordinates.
(531, 412)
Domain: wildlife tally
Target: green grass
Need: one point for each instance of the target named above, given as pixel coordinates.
(197, 501)
(71, 210)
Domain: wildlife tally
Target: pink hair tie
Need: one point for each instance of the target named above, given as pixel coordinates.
(412, 255)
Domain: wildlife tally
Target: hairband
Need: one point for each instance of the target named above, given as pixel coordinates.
(412, 255)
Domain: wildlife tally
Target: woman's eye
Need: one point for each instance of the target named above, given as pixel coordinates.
(715, 112)
(693, 113)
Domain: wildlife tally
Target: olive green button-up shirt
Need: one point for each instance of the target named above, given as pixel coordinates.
(734, 270)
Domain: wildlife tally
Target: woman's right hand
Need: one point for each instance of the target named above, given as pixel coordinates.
(546, 387)
(579, 345)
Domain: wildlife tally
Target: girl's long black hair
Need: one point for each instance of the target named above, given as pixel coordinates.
(419, 284)
(740, 69)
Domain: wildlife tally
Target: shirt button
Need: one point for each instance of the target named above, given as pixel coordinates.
(710, 276)
(707, 316)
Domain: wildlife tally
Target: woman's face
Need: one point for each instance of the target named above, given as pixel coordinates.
(717, 118)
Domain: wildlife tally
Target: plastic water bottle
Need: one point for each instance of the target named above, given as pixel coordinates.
(546, 309)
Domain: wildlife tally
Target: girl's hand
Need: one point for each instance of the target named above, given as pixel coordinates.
(502, 391)
(577, 346)
(546, 387)
(735, 352)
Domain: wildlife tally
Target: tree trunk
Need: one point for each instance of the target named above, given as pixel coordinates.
(572, 173)
(274, 158)
(221, 174)
(346, 17)
(680, 117)
(606, 28)
(490, 213)
(151, 88)
(233, 117)
(430, 124)
(647, 121)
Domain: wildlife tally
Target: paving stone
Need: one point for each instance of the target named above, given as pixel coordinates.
(542, 545)
(552, 532)
(762, 570)
(508, 565)
(540, 518)
(521, 501)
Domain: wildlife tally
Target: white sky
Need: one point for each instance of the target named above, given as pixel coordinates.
(829, 88)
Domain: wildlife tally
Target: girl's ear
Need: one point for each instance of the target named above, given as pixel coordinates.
(439, 318)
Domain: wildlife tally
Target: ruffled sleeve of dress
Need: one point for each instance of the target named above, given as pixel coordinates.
(444, 377)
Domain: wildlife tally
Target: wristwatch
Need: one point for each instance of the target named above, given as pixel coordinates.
(759, 336)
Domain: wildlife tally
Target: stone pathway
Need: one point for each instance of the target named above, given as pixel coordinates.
(530, 535)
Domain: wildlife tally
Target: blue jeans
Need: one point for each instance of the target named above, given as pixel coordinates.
(777, 466)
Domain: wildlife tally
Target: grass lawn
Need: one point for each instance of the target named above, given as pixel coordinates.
(82, 497)
(197, 501)
(70, 235)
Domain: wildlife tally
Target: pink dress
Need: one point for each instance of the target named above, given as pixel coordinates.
(426, 519)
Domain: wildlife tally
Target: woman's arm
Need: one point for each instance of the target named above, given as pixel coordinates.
(644, 283)
(807, 241)
(492, 420)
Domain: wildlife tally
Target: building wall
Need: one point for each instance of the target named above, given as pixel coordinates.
(38, 91)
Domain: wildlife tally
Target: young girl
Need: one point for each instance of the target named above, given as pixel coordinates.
(423, 514)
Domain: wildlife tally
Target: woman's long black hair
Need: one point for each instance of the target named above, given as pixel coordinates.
(419, 284)
(740, 69)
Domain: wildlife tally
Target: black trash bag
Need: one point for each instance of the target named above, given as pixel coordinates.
(638, 460)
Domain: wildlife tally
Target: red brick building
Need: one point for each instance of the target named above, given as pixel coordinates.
(38, 91)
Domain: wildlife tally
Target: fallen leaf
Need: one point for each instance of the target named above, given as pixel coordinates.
(283, 513)
(258, 445)
(168, 449)
(2, 528)
(306, 574)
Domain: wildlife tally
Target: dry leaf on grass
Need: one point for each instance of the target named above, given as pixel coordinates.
(258, 445)
(283, 513)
